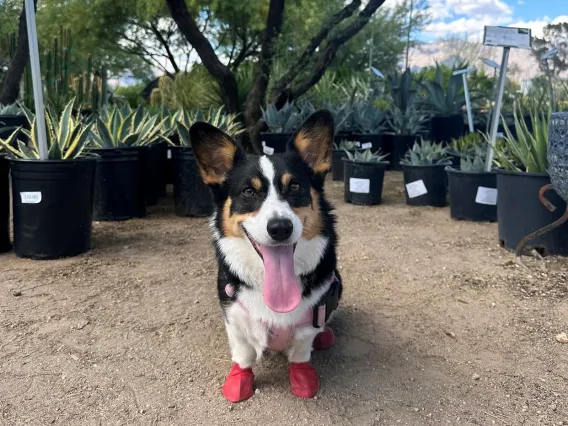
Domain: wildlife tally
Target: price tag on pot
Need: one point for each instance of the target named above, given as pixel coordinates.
(367, 145)
(416, 189)
(360, 186)
(31, 197)
(169, 154)
(268, 150)
(487, 196)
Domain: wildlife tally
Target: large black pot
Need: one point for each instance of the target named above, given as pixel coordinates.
(9, 123)
(473, 195)
(154, 160)
(425, 185)
(368, 141)
(192, 197)
(119, 184)
(363, 182)
(399, 146)
(445, 128)
(53, 207)
(337, 165)
(455, 157)
(273, 143)
(520, 212)
(5, 244)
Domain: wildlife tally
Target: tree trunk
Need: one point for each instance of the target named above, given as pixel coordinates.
(257, 95)
(10, 88)
(211, 62)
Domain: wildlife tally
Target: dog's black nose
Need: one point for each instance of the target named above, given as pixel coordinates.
(280, 229)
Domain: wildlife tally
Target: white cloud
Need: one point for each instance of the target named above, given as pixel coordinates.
(479, 7)
(536, 25)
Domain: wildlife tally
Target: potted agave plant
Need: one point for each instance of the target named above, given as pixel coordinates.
(53, 198)
(120, 137)
(12, 117)
(364, 177)
(424, 174)
(370, 123)
(446, 103)
(522, 171)
(192, 197)
(281, 123)
(337, 164)
(343, 121)
(464, 146)
(472, 190)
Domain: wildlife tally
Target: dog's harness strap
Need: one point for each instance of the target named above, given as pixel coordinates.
(327, 304)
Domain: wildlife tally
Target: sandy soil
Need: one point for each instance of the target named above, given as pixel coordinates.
(438, 326)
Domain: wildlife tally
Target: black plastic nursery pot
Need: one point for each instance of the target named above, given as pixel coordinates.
(191, 196)
(368, 141)
(363, 182)
(425, 185)
(473, 195)
(337, 164)
(520, 212)
(53, 207)
(5, 244)
(273, 143)
(445, 128)
(119, 184)
(400, 144)
(154, 159)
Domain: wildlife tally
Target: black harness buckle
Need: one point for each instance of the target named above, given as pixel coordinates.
(330, 301)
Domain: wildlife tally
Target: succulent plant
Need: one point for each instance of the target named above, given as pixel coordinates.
(402, 93)
(346, 145)
(67, 136)
(228, 123)
(368, 119)
(425, 153)
(405, 121)
(123, 127)
(475, 160)
(342, 115)
(11, 109)
(284, 120)
(366, 156)
(467, 144)
(442, 100)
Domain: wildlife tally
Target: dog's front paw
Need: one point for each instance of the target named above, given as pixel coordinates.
(239, 384)
(304, 380)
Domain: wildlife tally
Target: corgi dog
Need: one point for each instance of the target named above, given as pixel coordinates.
(275, 241)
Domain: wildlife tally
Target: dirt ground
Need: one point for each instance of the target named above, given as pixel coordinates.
(437, 326)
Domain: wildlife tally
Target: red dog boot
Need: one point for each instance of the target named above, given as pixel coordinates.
(238, 384)
(304, 380)
(324, 340)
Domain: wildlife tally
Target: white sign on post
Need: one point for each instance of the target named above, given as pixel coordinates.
(507, 37)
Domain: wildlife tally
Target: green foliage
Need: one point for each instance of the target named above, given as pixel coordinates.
(403, 89)
(122, 127)
(368, 119)
(468, 143)
(286, 119)
(67, 136)
(425, 153)
(528, 151)
(12, 109)
(474, 161)
(346, 145)
(131, 94)
(405, 122)
(366, 156)
(228, 123)
(444, 99)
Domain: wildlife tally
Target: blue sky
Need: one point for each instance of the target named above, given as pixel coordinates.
(468, 17)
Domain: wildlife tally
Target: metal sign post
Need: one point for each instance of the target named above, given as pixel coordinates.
(544, 59)
(36, 79)
(464, 74)
(506, 37)
(495, 66)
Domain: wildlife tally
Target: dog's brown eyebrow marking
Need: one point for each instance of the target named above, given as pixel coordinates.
(256, 183)
(286, 178)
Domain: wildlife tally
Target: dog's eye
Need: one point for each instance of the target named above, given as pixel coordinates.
(294, 187)
(248, 192)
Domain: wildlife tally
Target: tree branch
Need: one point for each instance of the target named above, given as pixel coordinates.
(304, 59)
(256, 96)
(214, 66)
(164, 43)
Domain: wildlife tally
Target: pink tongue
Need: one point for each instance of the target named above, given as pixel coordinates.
(282, 292)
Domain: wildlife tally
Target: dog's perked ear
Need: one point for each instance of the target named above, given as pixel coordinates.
(314, 141)
(215, 152)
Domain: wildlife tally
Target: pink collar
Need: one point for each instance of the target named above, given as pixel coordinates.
(280, 337)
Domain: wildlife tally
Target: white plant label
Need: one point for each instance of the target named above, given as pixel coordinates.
(367, 145)
(487, 196)
(416, 189)
(31, 197)
(360, 186)
(268, 150)
(169, 154)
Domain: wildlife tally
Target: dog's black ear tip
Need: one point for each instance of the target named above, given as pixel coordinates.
(323, 115)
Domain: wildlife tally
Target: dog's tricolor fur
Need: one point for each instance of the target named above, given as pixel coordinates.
(250, 191)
